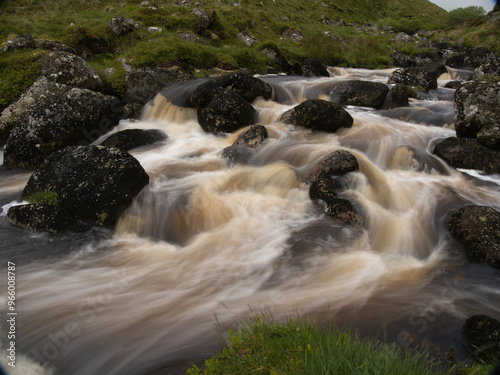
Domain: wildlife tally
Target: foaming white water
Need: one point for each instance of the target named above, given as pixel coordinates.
(207, 242)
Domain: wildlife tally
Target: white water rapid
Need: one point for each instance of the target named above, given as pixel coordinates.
(207, 244)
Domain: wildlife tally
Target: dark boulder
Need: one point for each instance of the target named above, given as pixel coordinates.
(70, 117)
(244, 84)
(253, 137)
(144, 83)
(336, 163)
(398, 96)
(24, 41)
(482, 335)
(401, 59)
(92, 183)
(121, 25)
(129, 139)
(319, 115)
(314, 68)
(54, 46)
(323, 189)
(468, 154)
(477, 113)
(471, 59)
(422, 59)
(477, 229)
(359, 93)
(41, 217)
(490, 69)
(227, 112)
(69, 69)
(415, 76)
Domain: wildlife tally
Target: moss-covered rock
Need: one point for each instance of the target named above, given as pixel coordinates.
(482, 335)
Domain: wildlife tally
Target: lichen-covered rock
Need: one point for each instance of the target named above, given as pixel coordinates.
(293, 34)
(40, 90)
(23, 41)
(398, 96)
(323, 189)
(129, 139)
(471, 59)
(193, 38)
(343, 210)
(244, 84)
(468, 154)
(144, 83)
(275, 54)
(477, 113)
(314, 68)
(359, 93)
(69, 117)
(41, 217)
(336, 163)
(482, 335)
(319, 115)
(121, 25)
(69, 69)
(414, 76)
(54, 46)
(489, 69)
(227, 112)
(92, 183)
(477, 229)
(203, 20)
(248, 39)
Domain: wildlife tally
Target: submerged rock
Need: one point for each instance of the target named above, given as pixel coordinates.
(468, 154)
(318, 114)
(477, 111)
(129, 139)
(359, 93)
(253, 137)
(93, 183)
(227, 112)
(477, 229)
(482, 335)
(41, 217)
(244, 84)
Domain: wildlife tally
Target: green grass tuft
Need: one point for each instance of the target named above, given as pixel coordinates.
(44, 197)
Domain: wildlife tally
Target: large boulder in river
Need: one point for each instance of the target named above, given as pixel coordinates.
(477, 229)
(398, 96)
(468, 154)
(69, 69)
(415, 76)
(471, 59)
(244, 84)
(227, 112)
(359, 93)
(41, 217)
(318, 114)
(482, 335)
(69, 117)
(93, 183)
(477, 111)
(129, 139)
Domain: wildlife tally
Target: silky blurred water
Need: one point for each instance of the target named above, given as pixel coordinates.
(207, 244)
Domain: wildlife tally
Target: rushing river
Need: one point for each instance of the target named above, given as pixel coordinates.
(207, 244)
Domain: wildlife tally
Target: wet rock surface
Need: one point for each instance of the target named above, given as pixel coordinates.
(336, 163)
(92, 183)
(129, 139)
(318, 114)
(415, 76)
(359, 93)
(477, 229)
(41, 217)
(253, 137)
(482, 335)
(467, 153)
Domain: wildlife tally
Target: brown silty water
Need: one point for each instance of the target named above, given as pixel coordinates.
(207, 244)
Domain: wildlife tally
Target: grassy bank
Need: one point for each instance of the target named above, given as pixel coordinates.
(302, 348)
